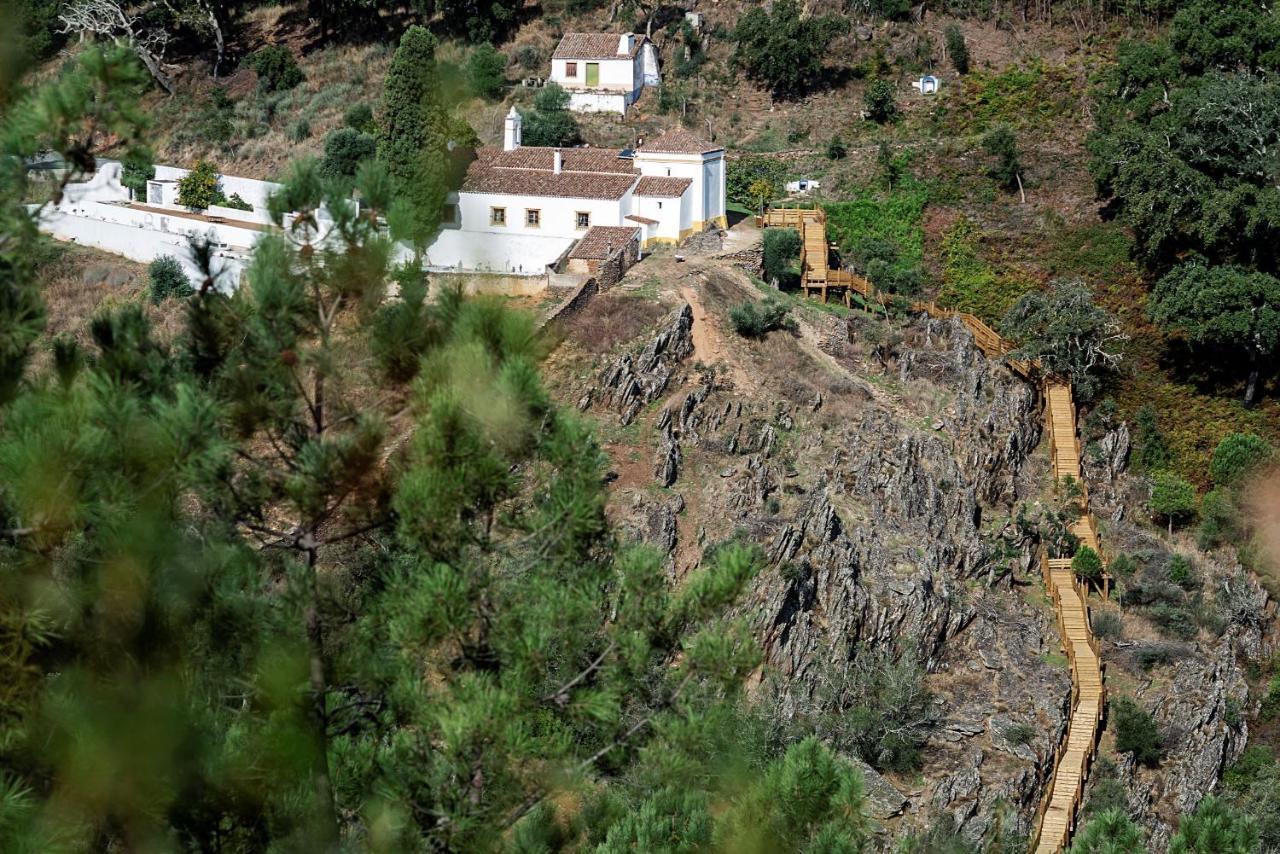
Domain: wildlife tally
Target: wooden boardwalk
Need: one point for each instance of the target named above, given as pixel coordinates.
(1073, 757)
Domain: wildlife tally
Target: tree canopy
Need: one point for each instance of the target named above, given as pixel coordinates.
(783, 50)
(1187, 127)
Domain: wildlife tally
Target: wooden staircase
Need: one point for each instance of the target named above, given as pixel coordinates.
(1056, 815)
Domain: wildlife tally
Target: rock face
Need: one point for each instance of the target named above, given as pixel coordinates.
(634, 381)
(878, 519)
(881, 481)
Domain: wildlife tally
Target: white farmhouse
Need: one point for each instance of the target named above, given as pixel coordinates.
(604, 72)
(522, 209)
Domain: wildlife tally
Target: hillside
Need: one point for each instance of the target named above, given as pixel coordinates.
(700, 560)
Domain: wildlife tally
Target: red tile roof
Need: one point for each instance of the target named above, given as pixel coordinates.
(662, 187)
(571, 159)
(680, 141)
(643, 220)
(585, 173)
(601, 241)
(595, 46)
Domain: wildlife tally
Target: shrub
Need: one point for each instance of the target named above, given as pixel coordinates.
(1218, 519)
(782, 48)
(360, 117)
(299, 130)
(1172, 498)
(345, 149)
(1123, 566)
(234, 201)
(1108, 792)
(200, 187)
(781, 249)
(1020, 733)
(957, 49)
(1108, 625)
(1087, 564)
(1151, 450)
(1236, 457)
(486, 70)
(836, 149)
(166, 279)
(755, 320)
(1002, 146)
(1157, 654)
(1172, 620)
(277, 69)
(880, 101)
(1180, 572)
(1136, 731)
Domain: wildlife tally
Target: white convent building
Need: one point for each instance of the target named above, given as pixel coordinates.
(604, 72)
(522, 208)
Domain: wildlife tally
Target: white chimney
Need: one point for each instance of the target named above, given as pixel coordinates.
(556, 161)
(511, 131)
(625, 43)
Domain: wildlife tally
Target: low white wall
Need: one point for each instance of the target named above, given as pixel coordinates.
(142, 245)
(518, 254)
(251, 190)
(599, 102)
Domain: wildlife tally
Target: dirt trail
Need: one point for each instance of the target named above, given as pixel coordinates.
(708, 341)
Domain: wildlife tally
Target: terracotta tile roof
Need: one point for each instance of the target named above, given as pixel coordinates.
(601, 241)
(540, 182)
(643, 220)
(572, 159)
(662, 187)
(585, 173)
(680, 141)
(595, 46)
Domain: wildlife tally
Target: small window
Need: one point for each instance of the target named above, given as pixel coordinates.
(532, 217)
(659, 205)
(582, 219)
(451, 214)
(497, 216)
(571, 69)
(668, 172)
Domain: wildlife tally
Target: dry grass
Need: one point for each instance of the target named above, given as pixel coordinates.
(609, 320)
(79, 283)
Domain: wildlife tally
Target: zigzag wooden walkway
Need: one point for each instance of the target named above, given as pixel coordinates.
(1056, 816)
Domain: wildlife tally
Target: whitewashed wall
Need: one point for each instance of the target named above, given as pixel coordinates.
(618, 75)
(599, 102)
(705, 170)
(251, 190)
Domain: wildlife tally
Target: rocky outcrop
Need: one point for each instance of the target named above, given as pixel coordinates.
(634, 381)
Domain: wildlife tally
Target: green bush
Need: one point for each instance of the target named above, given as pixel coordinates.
(1238, 456)
(1122, 566)
(1020, 733)
(781, 251)
(299, 130)
(360, 117)
(1151, 449)
(836, 149)
(880, 101)
(345, 149)
(1219, 519)
(1172, 620)
(1180, 572)
(235, 202)
(757, 319)
(200, 187)
(486, 71)
(1136, 731)
(1087, 564)
(744, 172)
(277, 69)
(165, 279)
(957, 49)
(1002, 146)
